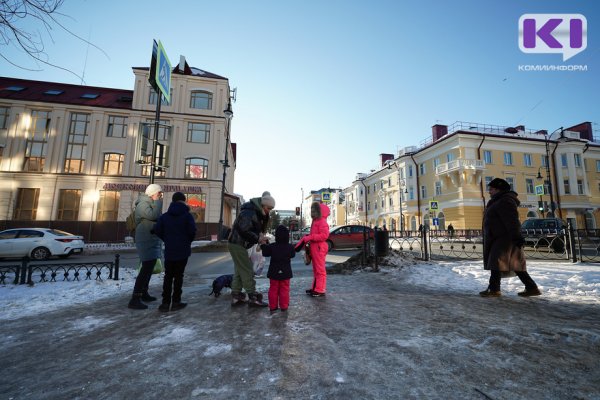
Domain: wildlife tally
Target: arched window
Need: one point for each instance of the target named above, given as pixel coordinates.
(196, 168)
(413, 223)
(441, 221)
(590, 222)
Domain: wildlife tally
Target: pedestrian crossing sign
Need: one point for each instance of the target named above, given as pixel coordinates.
(539, 190)
(433, 205)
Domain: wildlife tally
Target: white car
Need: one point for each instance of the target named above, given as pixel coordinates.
(39, 243)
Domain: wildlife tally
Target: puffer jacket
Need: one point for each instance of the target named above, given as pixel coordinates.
(147, 211)
(502, 233)
(281, 253)
(177, 229)
(248, 226)
(319, 230)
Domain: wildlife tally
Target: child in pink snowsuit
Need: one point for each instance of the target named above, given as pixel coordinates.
(319, 232)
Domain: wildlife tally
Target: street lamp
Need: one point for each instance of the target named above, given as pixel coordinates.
(228, 115)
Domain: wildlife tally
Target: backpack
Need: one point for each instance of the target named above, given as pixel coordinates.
(130, 224)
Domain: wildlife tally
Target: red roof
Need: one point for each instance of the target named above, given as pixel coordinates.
(69, 94)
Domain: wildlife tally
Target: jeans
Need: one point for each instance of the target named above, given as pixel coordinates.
(173, 282)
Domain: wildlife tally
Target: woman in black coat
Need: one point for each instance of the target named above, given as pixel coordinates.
(502, 240)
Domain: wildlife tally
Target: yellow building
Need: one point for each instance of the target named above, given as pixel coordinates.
(445, 180)
(68, 152)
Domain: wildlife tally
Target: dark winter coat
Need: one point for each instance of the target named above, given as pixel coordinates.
(502, 234)
(248, 226)
(147, 211)
(177, 229)
(281, 253)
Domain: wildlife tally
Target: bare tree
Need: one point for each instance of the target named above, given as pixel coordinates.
(13, 14)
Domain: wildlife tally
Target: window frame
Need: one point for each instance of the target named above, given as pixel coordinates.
(188, 165)
(194, 101)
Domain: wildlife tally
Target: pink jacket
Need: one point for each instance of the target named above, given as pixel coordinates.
(319, 230)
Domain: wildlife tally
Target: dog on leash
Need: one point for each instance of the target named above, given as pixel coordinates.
(219, 283)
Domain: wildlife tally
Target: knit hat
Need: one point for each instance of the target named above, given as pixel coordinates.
(267, 200)
(500, 184)
(152, 189)
(178, 196)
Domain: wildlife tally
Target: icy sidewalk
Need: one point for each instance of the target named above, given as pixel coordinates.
(375, 336)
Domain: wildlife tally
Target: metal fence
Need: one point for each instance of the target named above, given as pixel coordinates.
(31, 273)
(540, 244)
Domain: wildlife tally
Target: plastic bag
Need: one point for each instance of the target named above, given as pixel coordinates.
(258, 260)
(158, 267)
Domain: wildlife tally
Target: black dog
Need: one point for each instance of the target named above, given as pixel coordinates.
(219, 283)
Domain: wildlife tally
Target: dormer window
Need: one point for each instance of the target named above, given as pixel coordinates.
(90, 96)
(54, 92)
(15, 88)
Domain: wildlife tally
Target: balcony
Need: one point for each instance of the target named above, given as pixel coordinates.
(461, 170)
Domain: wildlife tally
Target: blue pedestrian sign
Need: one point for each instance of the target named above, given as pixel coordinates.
(163, 72)
(539, 190)
(436, 221)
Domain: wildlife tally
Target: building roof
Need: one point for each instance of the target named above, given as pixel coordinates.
(52, 92)
(189, 71)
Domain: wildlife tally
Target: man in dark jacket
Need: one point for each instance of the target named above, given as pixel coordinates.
(502, 240)
(280, 268)
(177, 229)
(248, 229)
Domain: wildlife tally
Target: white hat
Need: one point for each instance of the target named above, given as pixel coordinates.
(267, 200)
(152, 189)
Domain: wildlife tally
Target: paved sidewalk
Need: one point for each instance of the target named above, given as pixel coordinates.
(373, 337)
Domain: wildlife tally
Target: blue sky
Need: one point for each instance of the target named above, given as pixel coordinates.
(324, 87)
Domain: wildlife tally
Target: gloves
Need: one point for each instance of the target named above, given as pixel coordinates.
(299, 246)
(519, 241)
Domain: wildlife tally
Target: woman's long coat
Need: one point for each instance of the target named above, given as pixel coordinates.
(147, 211)
(501, 232)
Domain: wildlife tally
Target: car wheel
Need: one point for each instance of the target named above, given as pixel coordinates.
(40, 253)
(329, 245)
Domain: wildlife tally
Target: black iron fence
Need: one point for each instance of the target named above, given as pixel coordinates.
(30, 273)
(541, 244)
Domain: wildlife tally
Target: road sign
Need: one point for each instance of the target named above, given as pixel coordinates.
(436, 221)
(163, 72)
(326, 197)
(433, 205)
(539, 190)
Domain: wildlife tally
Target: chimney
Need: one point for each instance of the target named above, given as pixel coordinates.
(181, 63)
(439, 131)
(383, 158)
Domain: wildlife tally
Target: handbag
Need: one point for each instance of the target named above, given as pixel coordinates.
(307, 256)
(158, 267)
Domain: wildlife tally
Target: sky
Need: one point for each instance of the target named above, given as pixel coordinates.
(324, 87)
(558, 281)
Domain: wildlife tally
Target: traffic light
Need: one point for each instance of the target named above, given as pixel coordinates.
(297, 210)
(540, 205)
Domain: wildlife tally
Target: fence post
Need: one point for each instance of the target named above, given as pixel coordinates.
(24, 262)
(116, 272)
(572, 242)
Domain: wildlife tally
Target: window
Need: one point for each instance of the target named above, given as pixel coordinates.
(201, 100)
(26, 204)
(529, 186)
(508, 160)
(113, 164)
(422, 169)
(391, 202)
(527, 160)
(196, 168)
(449, 157)
(487, 156)
(488, 179)
(68, 204)
(153, 95)
(54, 92)
(402, 171)
(438, 188)
(368, 206)
(546, 186)
(566, 186)
(76, 143)
(164, 129)
(563, 160)
(597, 165)
(577, 160)
(108, 205)
(544, 161)
(511, 182)
(37, 139)
(436, 162)
(411, 193)
(423, 191)
(198, 132)
(90, 96)
(579, 186)
(382, 204)
(161, 172)
(3, 117)
(117, 126)
(197, 204)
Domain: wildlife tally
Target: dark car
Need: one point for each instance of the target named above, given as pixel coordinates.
(349, 236)
(543, 233)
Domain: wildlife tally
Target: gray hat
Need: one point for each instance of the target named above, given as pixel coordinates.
(267, 200)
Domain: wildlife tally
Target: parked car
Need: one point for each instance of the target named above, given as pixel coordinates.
(348, 236)
(297, 235)
(39, 243)
(544, 232)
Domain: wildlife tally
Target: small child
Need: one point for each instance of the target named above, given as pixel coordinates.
(280, 269)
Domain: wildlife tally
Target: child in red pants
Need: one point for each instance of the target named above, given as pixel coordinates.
(280, 269)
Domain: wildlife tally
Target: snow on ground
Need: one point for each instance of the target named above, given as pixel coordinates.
(561, 281)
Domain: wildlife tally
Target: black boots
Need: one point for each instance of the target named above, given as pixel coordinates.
(490, 293)
(136, 302)
(256, 300)
(146, 297)
(530, 292)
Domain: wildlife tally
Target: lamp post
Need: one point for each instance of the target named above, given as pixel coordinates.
(228, 115)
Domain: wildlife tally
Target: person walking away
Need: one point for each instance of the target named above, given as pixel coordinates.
(280, 269)
(319, 232)
(451, 231)
(502, 240)
(177, 229)
(148, 208)
(248, 230)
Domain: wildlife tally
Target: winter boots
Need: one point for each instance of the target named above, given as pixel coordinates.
(530, 292)
(177, 306)
(146, 297)
(490, 293)
(136, 302)
(238, 299)
(256, 300)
